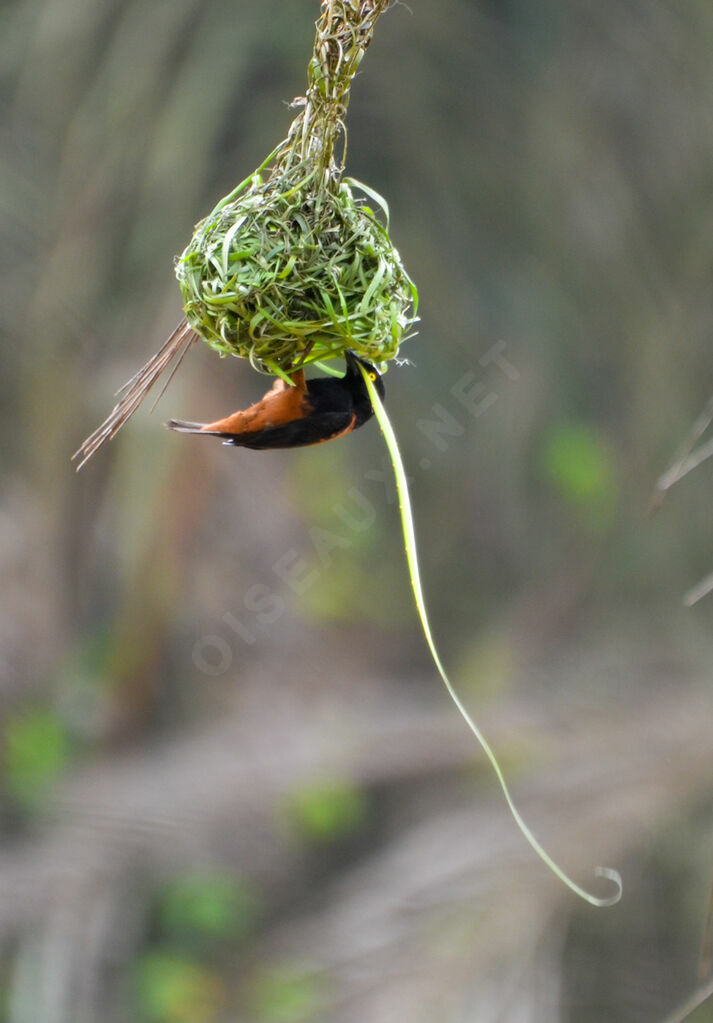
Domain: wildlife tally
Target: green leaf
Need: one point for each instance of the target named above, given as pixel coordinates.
(326, 811)
(284, 994)
(213, 907)
(37, 749)
(578, 464)
(174, 989)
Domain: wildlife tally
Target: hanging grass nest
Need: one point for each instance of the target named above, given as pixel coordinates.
(292, 267)
(278, 275)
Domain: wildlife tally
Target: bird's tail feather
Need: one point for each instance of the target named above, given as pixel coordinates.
(181, 426)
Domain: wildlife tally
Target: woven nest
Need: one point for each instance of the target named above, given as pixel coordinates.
(291, 268)
(284, 275)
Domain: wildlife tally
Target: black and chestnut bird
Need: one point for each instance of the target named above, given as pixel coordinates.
(308, 412)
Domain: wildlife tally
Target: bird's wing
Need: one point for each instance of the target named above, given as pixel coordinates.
(300, 433)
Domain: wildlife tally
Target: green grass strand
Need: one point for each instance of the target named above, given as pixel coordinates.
(412, 559)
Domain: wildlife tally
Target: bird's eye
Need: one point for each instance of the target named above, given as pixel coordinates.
(372, 376)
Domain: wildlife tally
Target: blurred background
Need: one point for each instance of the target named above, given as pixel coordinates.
(233, 788)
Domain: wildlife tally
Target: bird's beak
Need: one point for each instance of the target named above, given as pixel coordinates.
(354, 361)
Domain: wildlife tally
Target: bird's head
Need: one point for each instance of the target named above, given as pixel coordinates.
(354, 361)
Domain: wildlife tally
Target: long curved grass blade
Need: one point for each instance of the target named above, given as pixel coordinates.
(412, 559)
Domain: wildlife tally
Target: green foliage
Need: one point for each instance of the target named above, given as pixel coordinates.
(284, 994)
(577, 462)
(326, 811)
(175, 989)
(37, 748)
(207, 908)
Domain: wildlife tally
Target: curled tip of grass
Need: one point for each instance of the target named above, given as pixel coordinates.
(609, 874)
(412, 558)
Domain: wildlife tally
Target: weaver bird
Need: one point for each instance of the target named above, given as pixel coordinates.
(288, 416)
(308, 412)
